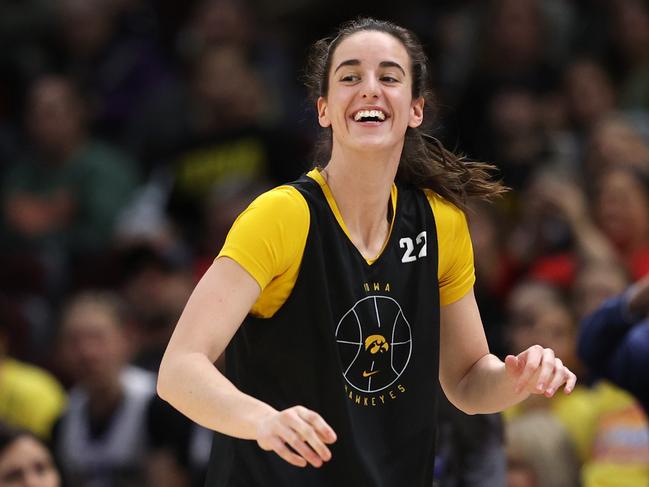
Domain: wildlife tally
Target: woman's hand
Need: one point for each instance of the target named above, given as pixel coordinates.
(298, 435)
(538, 371)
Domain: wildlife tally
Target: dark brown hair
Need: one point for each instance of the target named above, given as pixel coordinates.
(425, 162)
(9, 434)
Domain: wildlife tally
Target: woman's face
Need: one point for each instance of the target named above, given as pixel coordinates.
(369, 105)
(623, 209)
(27, 463)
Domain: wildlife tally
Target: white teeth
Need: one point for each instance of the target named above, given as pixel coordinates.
(369, 114)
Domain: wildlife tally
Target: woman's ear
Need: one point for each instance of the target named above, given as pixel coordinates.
(417, 112)
(323, 119)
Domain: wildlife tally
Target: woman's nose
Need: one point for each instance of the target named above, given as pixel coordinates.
(370, 88)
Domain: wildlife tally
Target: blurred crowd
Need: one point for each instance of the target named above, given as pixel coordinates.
(132, 133)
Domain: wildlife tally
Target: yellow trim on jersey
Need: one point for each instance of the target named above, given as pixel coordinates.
(455, 272)
(269, 237)
(317, 177)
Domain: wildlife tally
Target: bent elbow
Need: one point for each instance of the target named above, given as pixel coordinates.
(465, 406)
(162, 384)
(468, 409)
(471, 411)
(160, 388)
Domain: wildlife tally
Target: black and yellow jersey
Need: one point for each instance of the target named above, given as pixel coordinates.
(271, 248)
(355, 340)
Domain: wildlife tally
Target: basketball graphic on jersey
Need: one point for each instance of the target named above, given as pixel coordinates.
(375, 342)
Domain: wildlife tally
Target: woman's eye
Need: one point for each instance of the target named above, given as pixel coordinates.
(350, 77)
(389, 79)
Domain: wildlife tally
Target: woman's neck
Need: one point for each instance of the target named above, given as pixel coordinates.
(361, 185)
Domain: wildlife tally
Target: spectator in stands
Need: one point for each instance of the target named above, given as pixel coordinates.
(101, 439)
(605, 426)
(238, 23)
(495, 270)
(556, 230)
(614, 340)
(121, 69)
(514, 128)
(629, 31)
(595, 282)
(589, 93)
(212, 134)
(615, 140)
(25, 461)
(512, 55)
(30, 397)
(540, 453)
(155, 288)
(469, 448)
(621, 208)
(62, 198)
(115, 432)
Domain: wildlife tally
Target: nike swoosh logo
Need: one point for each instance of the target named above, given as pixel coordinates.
(367, 374)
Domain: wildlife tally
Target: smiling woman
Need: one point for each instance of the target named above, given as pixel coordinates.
(344, 298)
(424, 162)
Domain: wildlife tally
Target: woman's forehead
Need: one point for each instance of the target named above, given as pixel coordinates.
(371, 47)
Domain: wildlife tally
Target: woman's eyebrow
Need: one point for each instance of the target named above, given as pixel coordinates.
(392, 64)
(383, 64)
(349, 62)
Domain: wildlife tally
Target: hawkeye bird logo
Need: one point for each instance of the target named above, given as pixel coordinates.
(375, 342)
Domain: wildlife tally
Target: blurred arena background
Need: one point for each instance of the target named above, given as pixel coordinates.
(132, 132)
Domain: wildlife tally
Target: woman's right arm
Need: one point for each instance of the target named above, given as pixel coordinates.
(191, 383)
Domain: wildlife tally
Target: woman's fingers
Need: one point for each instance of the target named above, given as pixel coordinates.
(548, 369)
(540, 372)
(297, 435)
(284, 452)
(310, 433)
(560, 376)
(325, 432)
(532, 360)
(571, 382)
(297, 441)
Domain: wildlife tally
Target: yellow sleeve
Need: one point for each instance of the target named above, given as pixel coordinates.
(456, 273)
(268, 241)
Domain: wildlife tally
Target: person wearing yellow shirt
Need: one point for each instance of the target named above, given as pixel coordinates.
(607, 427)
(30, 397)
(346, 297)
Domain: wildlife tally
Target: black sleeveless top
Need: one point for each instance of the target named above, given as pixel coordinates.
(358, 344)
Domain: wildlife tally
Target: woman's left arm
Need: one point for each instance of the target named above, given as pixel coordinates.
(478, 382)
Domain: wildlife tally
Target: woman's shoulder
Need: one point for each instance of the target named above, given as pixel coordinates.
(281, 199)
(444, 211)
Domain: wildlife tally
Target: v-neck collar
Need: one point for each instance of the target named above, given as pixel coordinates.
(317, 177)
